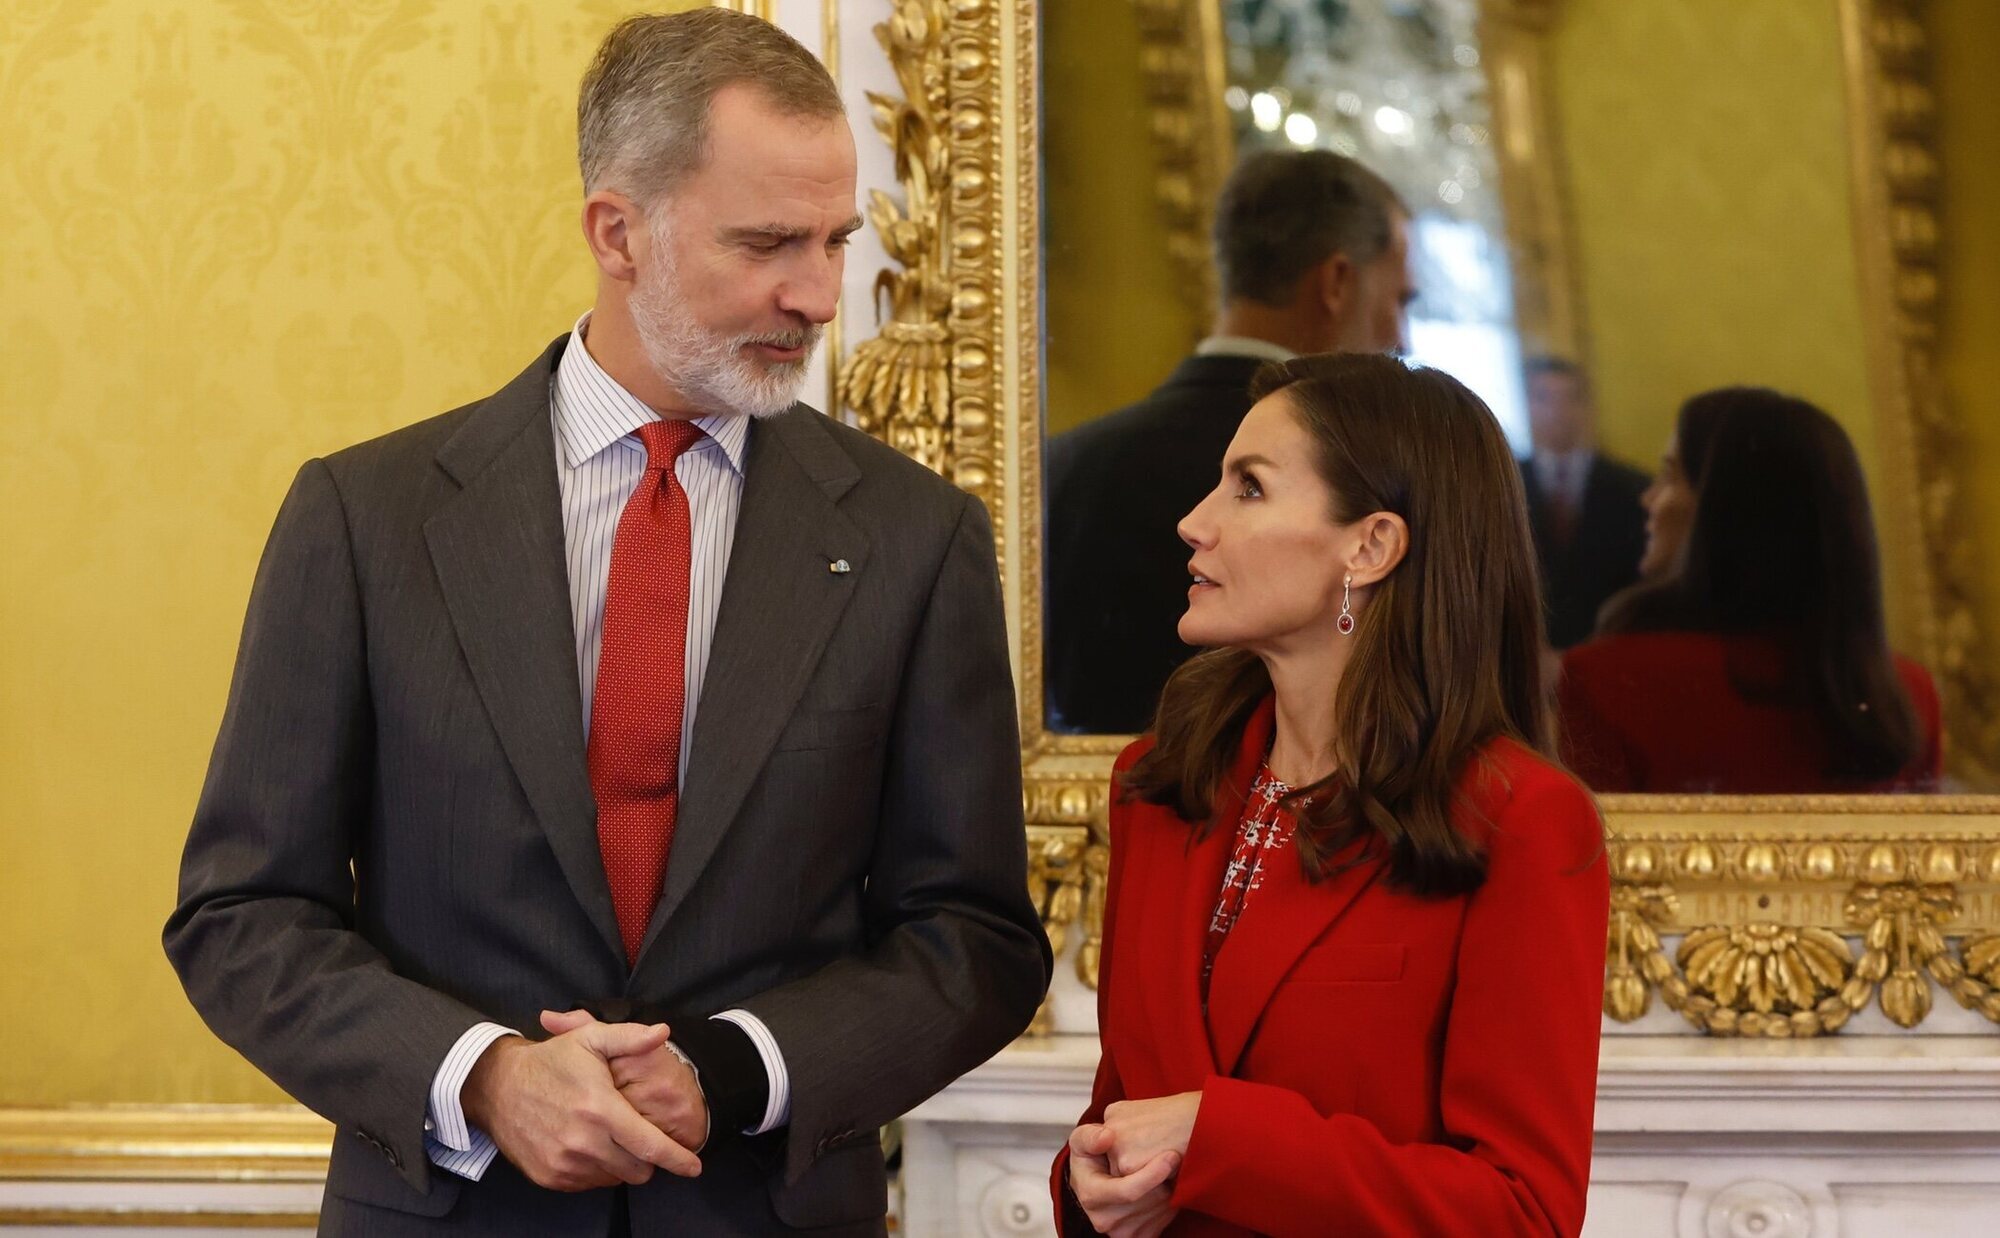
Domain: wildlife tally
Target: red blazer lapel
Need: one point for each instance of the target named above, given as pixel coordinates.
(1189, 905)
(1285, 916)
(1183, 883)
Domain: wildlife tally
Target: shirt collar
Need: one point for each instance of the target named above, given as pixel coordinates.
(1243, 346)
(592, 411)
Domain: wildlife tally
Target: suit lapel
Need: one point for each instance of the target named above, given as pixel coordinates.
(779, 605)
(497, 547)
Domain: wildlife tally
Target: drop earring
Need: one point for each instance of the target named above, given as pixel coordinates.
(1345, 624)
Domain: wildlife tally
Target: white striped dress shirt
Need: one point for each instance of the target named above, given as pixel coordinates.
(599, 462)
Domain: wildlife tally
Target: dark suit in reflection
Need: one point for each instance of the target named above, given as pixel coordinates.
(1117, 571)
(1589, 546)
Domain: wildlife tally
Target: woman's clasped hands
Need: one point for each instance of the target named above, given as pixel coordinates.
(1122, 1169)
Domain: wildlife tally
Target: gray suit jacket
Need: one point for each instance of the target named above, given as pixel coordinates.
(397, 837)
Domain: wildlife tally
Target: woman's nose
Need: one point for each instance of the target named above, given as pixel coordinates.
(1193, 529)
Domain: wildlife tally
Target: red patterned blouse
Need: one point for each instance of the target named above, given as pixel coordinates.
(1263, 836)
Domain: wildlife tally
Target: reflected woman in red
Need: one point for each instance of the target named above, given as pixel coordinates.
(1354, 940)
(1754, 658)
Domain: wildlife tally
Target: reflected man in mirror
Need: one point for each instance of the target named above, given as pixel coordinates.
(1312, 255)
(1590, 531)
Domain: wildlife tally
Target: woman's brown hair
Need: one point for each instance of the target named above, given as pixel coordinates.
(1446, 655)
(1782, 544)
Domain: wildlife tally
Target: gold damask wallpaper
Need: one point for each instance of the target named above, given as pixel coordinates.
(233, 234)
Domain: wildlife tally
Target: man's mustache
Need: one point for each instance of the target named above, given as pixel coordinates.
(799, 337)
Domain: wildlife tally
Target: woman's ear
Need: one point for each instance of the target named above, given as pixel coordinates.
(1382, 540)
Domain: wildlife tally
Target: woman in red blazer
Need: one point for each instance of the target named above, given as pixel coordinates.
(1754, 659)
(1354, 940)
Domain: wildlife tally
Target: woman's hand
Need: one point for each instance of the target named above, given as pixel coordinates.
(1133, 1205)
(1142, 1129)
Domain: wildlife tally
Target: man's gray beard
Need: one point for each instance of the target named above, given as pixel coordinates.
(711, 371)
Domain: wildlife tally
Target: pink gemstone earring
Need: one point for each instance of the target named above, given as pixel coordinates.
(1345, 624)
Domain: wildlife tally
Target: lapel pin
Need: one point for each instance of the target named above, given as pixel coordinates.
(840, 567)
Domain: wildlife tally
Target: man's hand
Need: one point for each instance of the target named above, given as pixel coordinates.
(555, 1114)
(658, 1083)
(1141, 1130)
(1132, 1206)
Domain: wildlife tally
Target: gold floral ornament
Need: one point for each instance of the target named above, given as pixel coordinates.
(1633, 959)
(1900, 926)
(899, 383)
(1975, 980)
(1767, 968)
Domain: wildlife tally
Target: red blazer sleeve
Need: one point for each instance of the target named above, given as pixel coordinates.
(1106, 1088)
(1519, 1070)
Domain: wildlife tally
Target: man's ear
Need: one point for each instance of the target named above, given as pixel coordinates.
(615, 229)
(1335, 279)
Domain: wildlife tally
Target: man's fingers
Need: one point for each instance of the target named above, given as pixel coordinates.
(556, 1022)
(646, 1141)
(609, 1040)
(626, 1167)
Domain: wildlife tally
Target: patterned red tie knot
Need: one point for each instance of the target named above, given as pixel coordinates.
(664, 441)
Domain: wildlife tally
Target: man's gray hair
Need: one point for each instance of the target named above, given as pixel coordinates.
(642, 115)
(1284, 212)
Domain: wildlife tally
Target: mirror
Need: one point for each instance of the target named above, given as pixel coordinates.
(1611, 208)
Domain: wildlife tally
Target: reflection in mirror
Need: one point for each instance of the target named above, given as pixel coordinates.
(1753, 659)
(1702, 240)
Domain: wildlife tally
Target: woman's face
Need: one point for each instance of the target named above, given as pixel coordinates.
(1268, 558)
(1669, 504)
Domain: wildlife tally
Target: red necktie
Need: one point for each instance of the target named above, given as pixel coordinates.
(635, 712)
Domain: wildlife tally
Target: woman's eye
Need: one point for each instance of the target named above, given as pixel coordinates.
(1247, 487)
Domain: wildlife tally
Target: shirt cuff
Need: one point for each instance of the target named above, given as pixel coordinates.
(450, 1142)
(778, 1106)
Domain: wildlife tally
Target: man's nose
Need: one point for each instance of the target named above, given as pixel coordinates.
(815, 293)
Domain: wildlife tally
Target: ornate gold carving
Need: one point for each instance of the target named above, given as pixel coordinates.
(1893, 151)
(1066, 821)
(1766, 967)
(899, 383)
(1633, 959)
(1181, 57)
(927, 385)
(1772, 920)
(1056, 878)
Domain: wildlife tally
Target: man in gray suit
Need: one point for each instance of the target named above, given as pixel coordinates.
(620, 773)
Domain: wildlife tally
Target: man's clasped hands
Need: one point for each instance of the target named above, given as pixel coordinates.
(594, 1105)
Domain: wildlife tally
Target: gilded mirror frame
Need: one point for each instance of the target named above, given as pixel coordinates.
(1795, 913)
